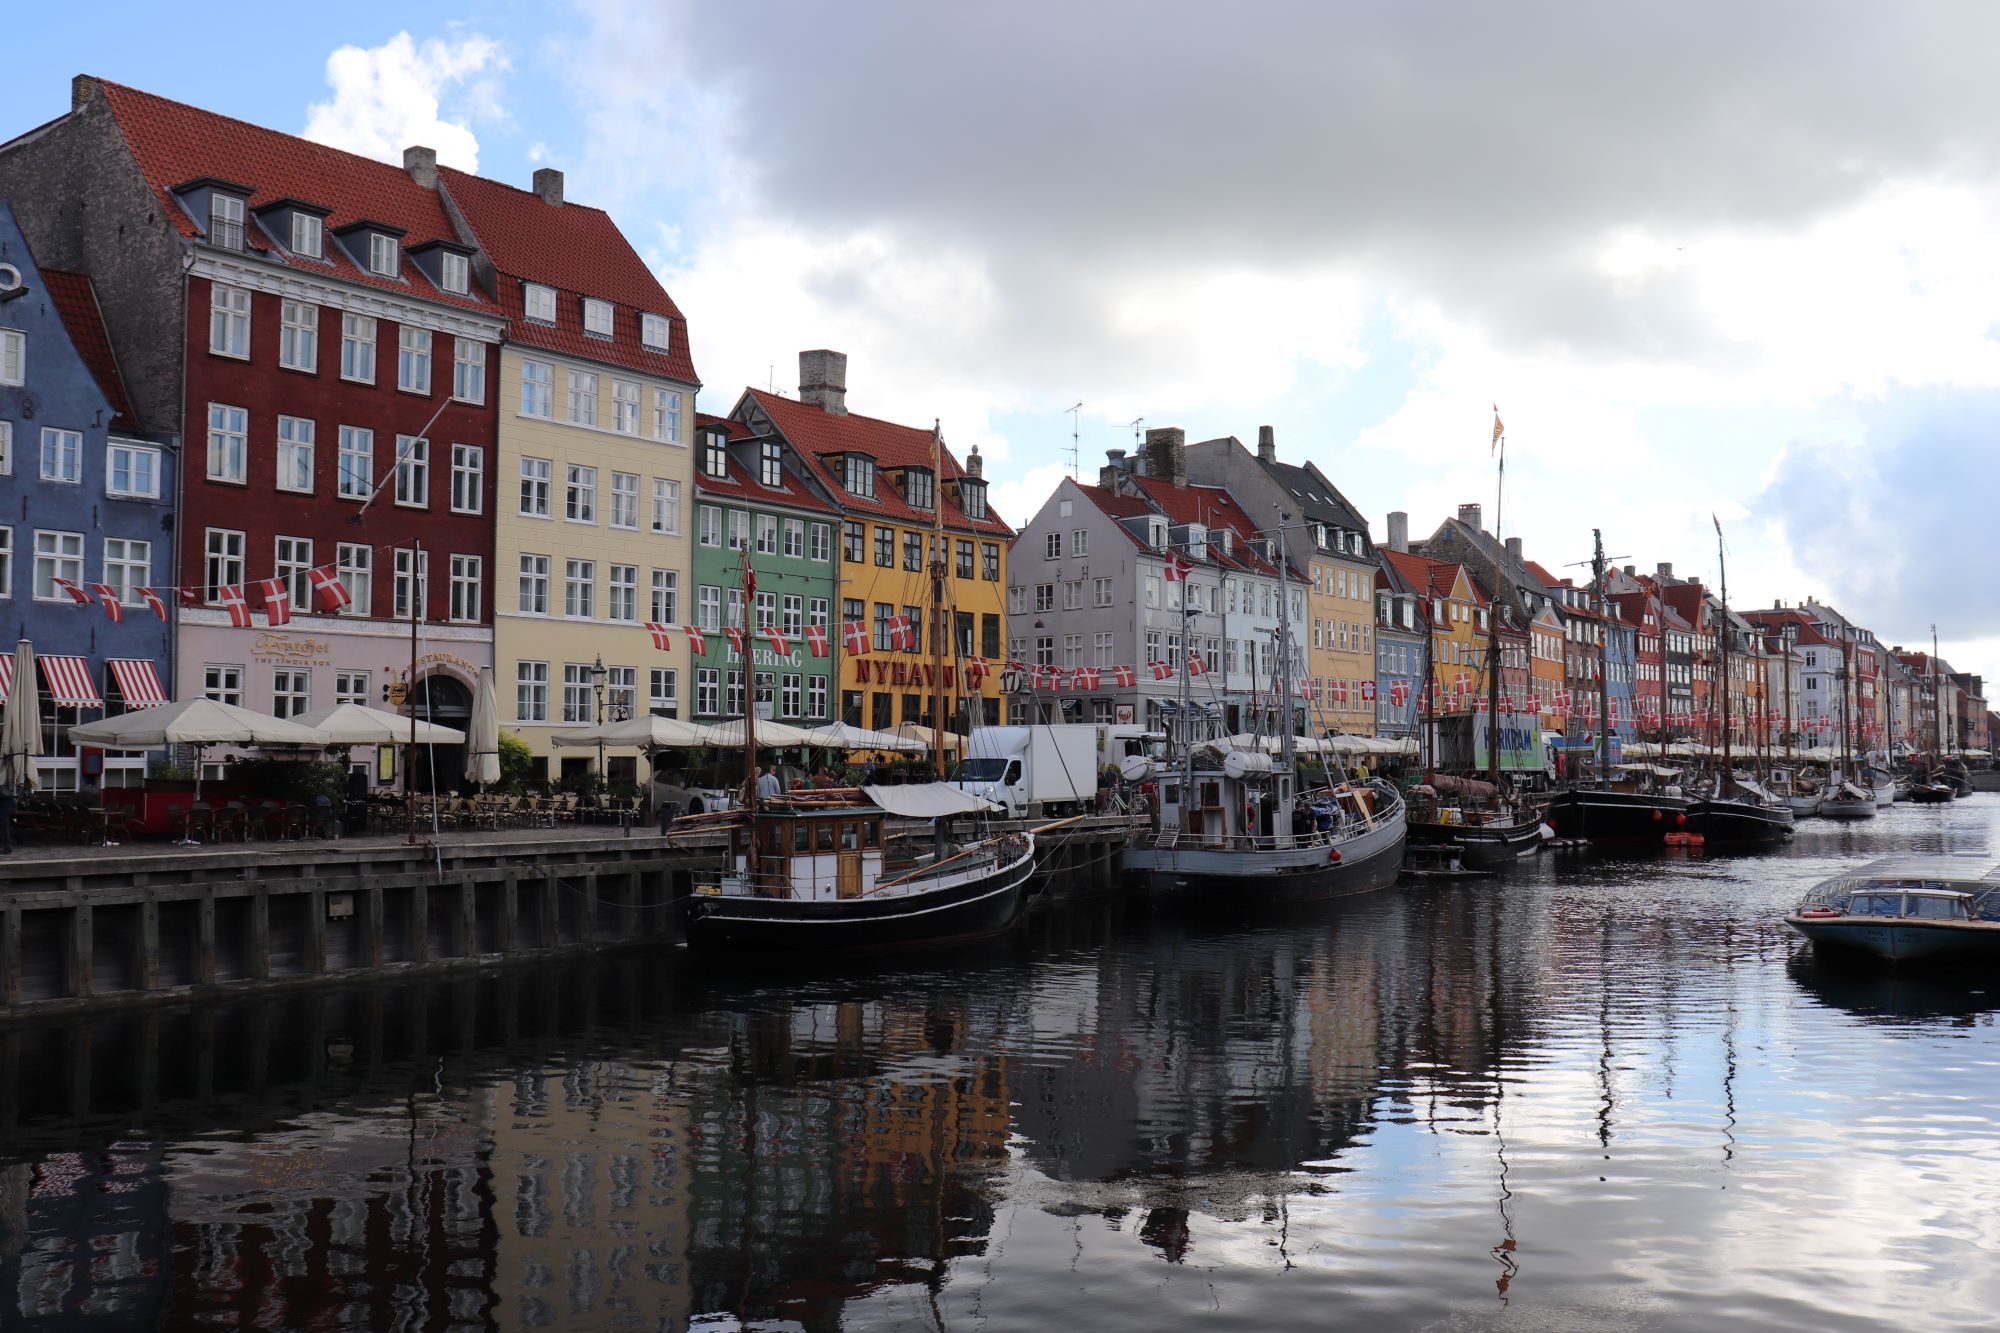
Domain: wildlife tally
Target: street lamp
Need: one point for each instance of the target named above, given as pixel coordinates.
(597, 675)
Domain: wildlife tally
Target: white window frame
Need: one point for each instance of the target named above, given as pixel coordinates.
(531, 691)
(408, 595)
(228, 442)
(625, 397)
(58, 555)
(468, 479)
(468, 578)
(413, 360)
(128, 566)
(291, 558)
(6, 563)
(225, 220)
(795, 538)
(663, 695)
(624, 512)
(468, 370)
(538, 302)
(537, 487)
(821, 544)
(413, 472)
(454, 273)
(384, 255)
(667, 415)
(532, 594)
(598, 317)
(538, 390)
(621, 602)
(222, 560)
(229, 321)
(579, 589)
(665, 600)
(13, 357)
(656, 332)
(666, 506)
(356, 463)
(298, 336)
(357, 348)
(308, 235)
(354, 562)
(582, 397)
(297, 447)
(579, 494)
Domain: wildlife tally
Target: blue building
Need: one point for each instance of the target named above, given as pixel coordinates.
(85, 500)
(1621, 666)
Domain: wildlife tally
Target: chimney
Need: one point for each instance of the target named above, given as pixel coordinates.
(1399, 532)
(1631, 571)
(823, 380)
(1470, 516)
(1113, 469)
(1267, 445)
(549, 186)
(1665, 570)
(422, 164)
(974, 466)
(1166, 454)
(1514, 549)
(83, 88)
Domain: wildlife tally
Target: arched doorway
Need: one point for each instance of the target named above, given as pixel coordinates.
(446, 701)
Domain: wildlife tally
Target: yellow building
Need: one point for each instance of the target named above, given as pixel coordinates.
(1546, 669)
(595, 471)
(1457, 625)
(883, 479)
(1340, 651)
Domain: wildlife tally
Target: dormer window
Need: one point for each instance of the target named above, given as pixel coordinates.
(1156, 533)
(454, 273)
(538, 303)
(771, 464)
(714, 455)
(1320, 537)
(1226, 539)
(860, 479)
(225, 220)
(656, 332)
(972, 498)
(596, 317)
(1197, 542)
(308, 236)
(917, 488)
(383, 254)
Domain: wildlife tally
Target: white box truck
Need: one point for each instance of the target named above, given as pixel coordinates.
(1047, 769)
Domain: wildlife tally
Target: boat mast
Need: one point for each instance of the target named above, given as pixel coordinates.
(940, 618)
(1787, 639)
(749, 693)
(1493, 624)
(1281, 818)
(1603, 669)
(1722, 642)
(1427, 751)
(1186, 680)
(1937, 707)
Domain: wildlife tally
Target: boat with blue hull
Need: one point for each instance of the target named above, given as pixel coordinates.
(1907, 909)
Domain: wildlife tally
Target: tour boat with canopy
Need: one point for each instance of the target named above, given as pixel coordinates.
(1905, 908)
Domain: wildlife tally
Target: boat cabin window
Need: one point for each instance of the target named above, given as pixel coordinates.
(871, 834)
(850, 837)
(1876, 904)
(778, 841)
(1936, 907)
(802, 838)
(826, 837)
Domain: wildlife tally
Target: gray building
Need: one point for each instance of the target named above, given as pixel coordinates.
(1399, 640)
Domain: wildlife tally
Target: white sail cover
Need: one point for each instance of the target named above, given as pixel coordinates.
(927, 800)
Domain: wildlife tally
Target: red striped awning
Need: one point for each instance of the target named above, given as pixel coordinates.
(138, 683)
(6, 678)
(69, 682)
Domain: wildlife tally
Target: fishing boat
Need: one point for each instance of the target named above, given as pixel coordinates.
(1849, 801)
(1802, 793)
(1738, 809)
(1468, 815)
(1930, 793)
(1234, 831)
(1629, 810)
(1907, 908)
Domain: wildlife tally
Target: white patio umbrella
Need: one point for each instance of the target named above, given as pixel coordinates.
(196, 722)
(648, 733)
(775, 735)
(482, 753)
(21, 724)
(841, 736)
(927, 738)
(358, 724)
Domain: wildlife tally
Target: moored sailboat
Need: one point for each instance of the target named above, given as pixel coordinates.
(1738, 810)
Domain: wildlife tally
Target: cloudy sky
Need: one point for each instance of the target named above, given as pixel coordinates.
(1717, 259)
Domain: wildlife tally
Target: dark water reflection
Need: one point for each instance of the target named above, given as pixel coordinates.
(1599, 1092)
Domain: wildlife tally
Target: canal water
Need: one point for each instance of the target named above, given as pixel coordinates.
(1595, 1093)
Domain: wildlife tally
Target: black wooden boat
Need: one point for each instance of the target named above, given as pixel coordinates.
(1930, 793)
(1466, 814)
(824, 873)
(1616, 815)
(1740, 819)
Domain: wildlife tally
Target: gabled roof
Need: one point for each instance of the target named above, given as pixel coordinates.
(743, 483)
(1319, 499)
(819, 435)
(580, 252)
(76, 301)
(1213, 508)
(174, 143)
(1418, 571)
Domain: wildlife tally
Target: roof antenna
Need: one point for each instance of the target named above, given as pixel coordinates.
(1135, 423)
(1075, 441)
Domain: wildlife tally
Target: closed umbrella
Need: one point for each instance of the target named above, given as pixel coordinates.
(196, 722)
(358, 724)
(482, 755)
(21, 724)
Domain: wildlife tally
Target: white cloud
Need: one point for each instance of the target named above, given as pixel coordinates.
(386, 98)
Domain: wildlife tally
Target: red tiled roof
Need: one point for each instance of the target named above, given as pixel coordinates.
(579, 251)
(76, 300)
(1417, 571)
(174, 143)
(818, 434)
(1214, 509)
(743, 483)
(1543, 575)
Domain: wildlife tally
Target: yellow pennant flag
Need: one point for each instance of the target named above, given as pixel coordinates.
(1498, 429)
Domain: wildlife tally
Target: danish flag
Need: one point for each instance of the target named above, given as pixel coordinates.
(975, 670)
(1368, 691)
(901, 635)
(696, 643)
(816, 640)
(1562, 701)
(231, 598)
(190, 596)
(109, 596)
(1479, 704)
(1038, 677)
(152, 599)
(1124, 677)
(1160, 670)
(735, 637)
(1339, 691)
(1195, 665)
(328, 592)
(277, 601)
(77, 595)
(855, 635)
(1309, 690)
(662, 638)
(1177, 568)
(1462, 682)
(1086, 678)
(777, 638)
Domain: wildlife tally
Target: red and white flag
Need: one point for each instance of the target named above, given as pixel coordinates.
(1177, 568)
(976, 670)
(277, 601)
(1160, 670)
(230, 596)
(855, 635)
(1196, 666)
(901, 636)
(1462, 682)
(735, 637)
(1368, 691)
(1124, 677)
(1309, 690)
(1038, 677)
(76, 594)
(697, 644)
(190, 596)
(328, 592)
(663, 638)
(114, 610)
(816, 640)
(778, 643)
(1086, 678)
(152, 599)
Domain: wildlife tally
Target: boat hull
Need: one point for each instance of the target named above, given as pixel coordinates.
(967, 910)
(1598, 815)
(1848, 809)
(1480, 846)
(1203, 880)
(1805, 806)
(1723, 822)
(1930, 795)
(1900, 939)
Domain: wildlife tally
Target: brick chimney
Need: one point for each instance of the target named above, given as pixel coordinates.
(1113, 469)
(549, 186)
(422, 164)
(1664, 570)
(974, 465)
(823, 380)
(1399, 532)
(1514, 549)
(1267, 445)
(1166, 454)
(83, 88)
(1470, 515)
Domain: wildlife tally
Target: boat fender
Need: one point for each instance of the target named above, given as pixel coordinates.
(1680, 819)
(1658, 816)
(1332, 855)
